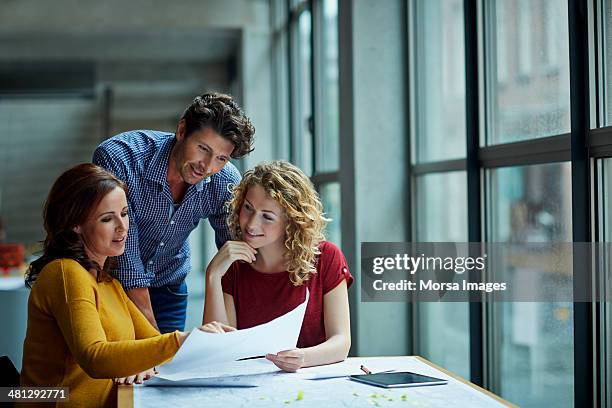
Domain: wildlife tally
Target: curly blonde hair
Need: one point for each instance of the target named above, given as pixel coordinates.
(295, 193)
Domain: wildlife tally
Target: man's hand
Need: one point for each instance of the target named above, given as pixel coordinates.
(142, 300)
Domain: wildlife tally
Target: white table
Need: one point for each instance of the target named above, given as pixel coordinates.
(284, 390)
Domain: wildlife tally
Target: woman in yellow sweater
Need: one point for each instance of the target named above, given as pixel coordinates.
(83, 330)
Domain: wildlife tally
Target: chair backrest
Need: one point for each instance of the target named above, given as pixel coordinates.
(9, 376)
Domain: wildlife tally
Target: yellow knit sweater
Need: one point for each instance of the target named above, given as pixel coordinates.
(83, 333)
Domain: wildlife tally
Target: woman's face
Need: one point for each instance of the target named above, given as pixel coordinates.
(262, 219)
(105, 230)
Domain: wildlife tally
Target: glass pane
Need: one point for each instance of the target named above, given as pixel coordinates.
(607, 43)
(607, 63)
(327, 142)
(607, 235)
(443, 328)
(532, 342)
(305, 91)
(529, 70)
(440, 80)
(330, 196)
(442, 207)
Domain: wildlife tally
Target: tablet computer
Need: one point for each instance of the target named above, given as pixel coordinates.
(398, 379)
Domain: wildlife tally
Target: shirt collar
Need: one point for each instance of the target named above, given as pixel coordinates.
(200, 185)
(158, 167)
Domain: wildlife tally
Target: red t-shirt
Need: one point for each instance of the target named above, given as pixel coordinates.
(261, 297)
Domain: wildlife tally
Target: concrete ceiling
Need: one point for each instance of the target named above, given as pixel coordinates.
(207, 45)
(185, 30)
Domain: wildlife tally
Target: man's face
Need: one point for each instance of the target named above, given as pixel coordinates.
(201, 154)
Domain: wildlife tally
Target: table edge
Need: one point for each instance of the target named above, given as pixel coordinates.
(466, 382)
(125, 396)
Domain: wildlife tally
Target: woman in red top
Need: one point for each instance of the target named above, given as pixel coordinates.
(277, 220)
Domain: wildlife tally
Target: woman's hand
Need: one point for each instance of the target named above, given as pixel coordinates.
(288, 360)
(138, 378)
(230, 252)
(216, 327)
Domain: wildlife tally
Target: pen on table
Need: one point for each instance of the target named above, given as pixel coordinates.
(250, 358)
(365, 369)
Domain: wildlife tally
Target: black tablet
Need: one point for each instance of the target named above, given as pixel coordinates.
(398, 379)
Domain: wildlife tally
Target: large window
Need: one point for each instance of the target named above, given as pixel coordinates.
(505, 144)
(509, 108)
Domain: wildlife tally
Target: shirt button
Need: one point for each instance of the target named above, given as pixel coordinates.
(150, 262)
(161, 244)
(172, 222)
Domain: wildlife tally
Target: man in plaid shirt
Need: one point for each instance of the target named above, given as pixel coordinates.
(174, 181)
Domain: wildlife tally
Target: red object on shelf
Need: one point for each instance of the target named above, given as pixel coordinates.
(11, 255)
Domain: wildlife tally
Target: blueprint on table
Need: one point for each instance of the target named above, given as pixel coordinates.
(283, 389)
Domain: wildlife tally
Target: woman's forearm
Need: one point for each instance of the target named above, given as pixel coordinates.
(214, 306)
(333, 350)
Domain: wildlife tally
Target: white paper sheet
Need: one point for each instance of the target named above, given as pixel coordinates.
(209, 355)
(247, 373)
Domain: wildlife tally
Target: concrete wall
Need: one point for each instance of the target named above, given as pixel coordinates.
(374, 162)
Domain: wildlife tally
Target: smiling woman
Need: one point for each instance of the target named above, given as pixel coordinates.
(85, 210)
(280, 252)
(83, 331)
(103, 233)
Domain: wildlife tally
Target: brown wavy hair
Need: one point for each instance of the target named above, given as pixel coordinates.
(222, 114)
(74, 195)
(295, 193)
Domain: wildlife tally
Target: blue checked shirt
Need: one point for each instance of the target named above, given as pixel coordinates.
(156, 250)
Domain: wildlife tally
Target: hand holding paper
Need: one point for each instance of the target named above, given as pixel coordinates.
(208, 355)
(288, 360)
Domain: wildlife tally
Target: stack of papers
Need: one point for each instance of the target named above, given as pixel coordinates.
(212, 359)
